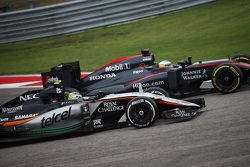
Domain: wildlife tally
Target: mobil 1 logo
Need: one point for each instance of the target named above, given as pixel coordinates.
(117, 67)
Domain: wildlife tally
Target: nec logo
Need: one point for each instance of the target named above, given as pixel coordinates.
(28, 97)
(56, 118)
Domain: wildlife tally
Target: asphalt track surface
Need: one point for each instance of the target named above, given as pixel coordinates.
(219, 137)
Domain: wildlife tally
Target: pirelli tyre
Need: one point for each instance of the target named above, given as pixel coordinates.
(141, 112)
(158, 91)
(242, 58)
(227, 78)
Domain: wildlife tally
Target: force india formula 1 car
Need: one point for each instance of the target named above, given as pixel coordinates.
(125, 74)
(55, 110)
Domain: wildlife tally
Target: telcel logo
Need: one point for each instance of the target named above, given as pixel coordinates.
(56, 118)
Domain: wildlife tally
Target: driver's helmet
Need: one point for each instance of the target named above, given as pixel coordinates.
(164, 64)
(57, 84)
(74, 95)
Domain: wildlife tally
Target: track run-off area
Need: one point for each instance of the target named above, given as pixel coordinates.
(218, 137)
(24, 81)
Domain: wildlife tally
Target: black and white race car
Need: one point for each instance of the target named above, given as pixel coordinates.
(125, 74)
(55, 110)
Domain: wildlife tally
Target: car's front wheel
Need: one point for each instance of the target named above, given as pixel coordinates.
(158, 91)
(141, 112)
(227, 78)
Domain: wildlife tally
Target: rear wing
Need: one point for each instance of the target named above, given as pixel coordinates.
(68, 73)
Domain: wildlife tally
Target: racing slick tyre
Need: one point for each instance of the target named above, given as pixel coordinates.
(141, 112)
(157, 91)
(227, 78)
(242, 58)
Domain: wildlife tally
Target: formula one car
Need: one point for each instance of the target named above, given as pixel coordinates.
(55, 110)
(125, 74)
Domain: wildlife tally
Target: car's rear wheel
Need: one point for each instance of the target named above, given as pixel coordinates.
(158, 91)
(227, 78)
(242, 58)
(141, 112)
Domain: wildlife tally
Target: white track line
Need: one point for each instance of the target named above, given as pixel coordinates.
(17, 85)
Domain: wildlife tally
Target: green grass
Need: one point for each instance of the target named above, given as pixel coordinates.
(205, 32)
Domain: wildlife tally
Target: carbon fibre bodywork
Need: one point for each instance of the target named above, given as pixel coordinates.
(125, 74)
(31, 115)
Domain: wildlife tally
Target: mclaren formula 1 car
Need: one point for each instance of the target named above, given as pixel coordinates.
(125, 74)
(57, 111)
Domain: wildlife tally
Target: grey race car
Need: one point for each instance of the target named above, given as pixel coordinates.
(57, 111)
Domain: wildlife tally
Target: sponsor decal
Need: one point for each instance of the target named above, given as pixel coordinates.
(149, 84)
(103, 76)
(12, 109)
(25, 116)
(85, 108)
(137, 71)
(97, 123)
(67, 102)
(182, 113)
(4, 119)
(117, 67)
(56, 118)
(28, 97)
(51, 80)
(147, 58)
(110, 106)
(87, 122)
(59, 90)
(137, 101)
(196, 74)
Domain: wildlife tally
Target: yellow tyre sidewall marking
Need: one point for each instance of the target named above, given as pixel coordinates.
(242, 58)
(231, 69)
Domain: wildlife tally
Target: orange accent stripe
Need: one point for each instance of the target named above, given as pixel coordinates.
(241, 64)
(14, 123)
(121, 98)
(170, 103)
(148, 76)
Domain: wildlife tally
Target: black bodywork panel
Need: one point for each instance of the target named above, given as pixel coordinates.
(125, 74)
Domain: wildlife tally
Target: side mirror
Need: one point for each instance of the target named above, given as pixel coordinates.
(145, 52)
(183, 63)
(100, 94)
(190, 60)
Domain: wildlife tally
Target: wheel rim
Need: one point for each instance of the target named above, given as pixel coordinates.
(226, 79)
(141, 113)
